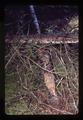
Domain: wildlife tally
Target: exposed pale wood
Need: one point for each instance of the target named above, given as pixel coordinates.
(49, 78)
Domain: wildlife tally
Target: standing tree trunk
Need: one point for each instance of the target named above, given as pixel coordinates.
(35, 20)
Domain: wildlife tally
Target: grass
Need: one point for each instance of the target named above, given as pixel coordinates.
(18, 108)
(59, 69)
(25, 91)
(10, 85)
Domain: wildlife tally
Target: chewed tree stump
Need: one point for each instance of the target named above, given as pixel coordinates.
(49, 78)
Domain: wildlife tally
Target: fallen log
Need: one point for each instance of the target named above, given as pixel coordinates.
(54, 39)
(43, 39)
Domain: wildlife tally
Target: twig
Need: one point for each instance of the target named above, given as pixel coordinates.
(42, 67)
(22, 60)
(62, 111)
(12, 56)
(40, 102)
(10, 59)
(59, 82)
(34, 62)
(72, 98)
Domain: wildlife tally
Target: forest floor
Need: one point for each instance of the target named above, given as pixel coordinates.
(25, 90)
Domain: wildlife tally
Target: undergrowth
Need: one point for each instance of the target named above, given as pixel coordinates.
(25, 91)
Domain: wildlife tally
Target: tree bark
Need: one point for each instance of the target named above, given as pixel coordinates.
(35, 20)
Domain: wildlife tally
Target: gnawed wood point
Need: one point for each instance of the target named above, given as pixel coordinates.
(49, 78)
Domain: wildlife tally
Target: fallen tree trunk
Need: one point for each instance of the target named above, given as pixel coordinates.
(54, 39)
(43, 39)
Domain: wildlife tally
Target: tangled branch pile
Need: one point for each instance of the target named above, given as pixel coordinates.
(25, 89)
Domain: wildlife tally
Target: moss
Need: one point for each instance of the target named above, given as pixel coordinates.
(18, 108)
(60, 69)
(10, 86)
